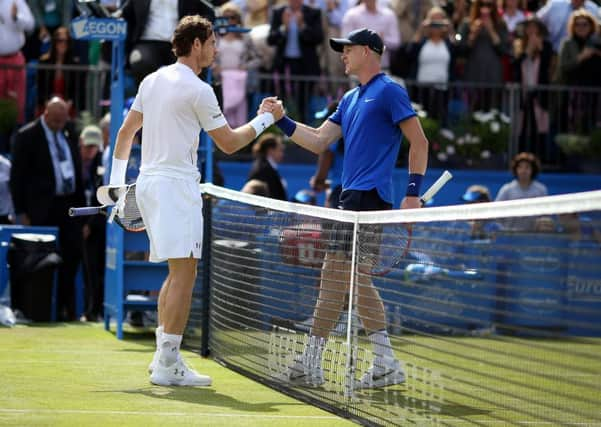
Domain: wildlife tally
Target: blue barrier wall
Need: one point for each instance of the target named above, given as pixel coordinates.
(297, 177)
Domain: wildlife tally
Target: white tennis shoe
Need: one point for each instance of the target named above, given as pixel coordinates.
(301, 374)
(388, 373)
(154, 363)
(178, 374)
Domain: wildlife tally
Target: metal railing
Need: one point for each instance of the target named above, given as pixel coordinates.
(468, 124)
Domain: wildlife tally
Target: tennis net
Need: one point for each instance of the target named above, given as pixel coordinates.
(494, 309)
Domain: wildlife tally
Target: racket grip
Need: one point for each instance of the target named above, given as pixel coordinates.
(85, 211)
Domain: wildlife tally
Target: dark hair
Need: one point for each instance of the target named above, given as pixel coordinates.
(526, 157)
(266, 142)
(188, 29)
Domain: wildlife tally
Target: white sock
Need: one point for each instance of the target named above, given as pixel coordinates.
(313, 351)
(169, 348)
(382, 347)
(158, 333)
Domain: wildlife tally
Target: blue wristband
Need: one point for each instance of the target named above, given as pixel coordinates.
(287, 125)
(413, 185)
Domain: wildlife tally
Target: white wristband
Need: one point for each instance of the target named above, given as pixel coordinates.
(261, 122)
(118, 170)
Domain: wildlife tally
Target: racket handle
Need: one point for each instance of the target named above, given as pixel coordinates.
(85, 211)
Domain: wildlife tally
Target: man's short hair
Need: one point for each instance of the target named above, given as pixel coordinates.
(188, 29)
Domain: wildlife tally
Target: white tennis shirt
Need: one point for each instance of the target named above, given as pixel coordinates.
(176, 105)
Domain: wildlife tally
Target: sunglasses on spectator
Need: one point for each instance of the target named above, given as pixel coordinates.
(232, 17)
(581, 24)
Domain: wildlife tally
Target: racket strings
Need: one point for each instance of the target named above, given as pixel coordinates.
(129, 216)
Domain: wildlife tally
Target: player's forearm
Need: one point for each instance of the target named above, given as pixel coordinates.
(418, 156)
(240, 138)
(309, 138)
(123, 144)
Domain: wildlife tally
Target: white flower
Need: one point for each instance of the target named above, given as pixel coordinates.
(485, 154)
(442, 156)
(505, 119)
(447, 133)
(476, 140)
(479, 116)
(450, 150)
(460, 141)
(495, 127)
(422, 114)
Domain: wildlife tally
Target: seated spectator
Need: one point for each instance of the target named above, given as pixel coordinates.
(484, 41)
(269, 152)
(525, 168)
(53, 80)
(15, 20)
(237, 59)
(305, 197)
(433, 54)
(533, 63)
(480, 229)
(580, 227)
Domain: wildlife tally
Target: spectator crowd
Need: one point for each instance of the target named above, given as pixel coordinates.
(58, 161)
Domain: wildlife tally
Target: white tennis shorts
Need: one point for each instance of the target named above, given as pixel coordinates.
(172, 211)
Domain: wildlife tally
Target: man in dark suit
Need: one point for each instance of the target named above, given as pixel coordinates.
(296, 30)
(150, 25)
(45, 181)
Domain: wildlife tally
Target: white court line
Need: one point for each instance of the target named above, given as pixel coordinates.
(257, 416)
(155, 413)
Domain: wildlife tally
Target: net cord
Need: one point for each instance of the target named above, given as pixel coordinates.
(549, 205)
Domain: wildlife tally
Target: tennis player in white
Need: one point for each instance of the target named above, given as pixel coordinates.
(173, 105)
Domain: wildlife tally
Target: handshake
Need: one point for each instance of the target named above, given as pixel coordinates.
(272, 105)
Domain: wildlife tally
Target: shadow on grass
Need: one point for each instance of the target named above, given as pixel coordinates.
(203, 396)
(389, 400)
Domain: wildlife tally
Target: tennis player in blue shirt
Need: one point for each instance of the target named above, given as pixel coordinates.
(372, 118)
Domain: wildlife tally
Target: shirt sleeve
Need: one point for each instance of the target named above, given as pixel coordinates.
(336, 116)
(207, 110)
(137, 104)
(400, 104)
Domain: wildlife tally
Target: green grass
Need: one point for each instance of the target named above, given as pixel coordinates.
(80, 375)
(455, 381)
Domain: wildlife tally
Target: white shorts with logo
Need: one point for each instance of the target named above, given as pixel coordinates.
(172, 211)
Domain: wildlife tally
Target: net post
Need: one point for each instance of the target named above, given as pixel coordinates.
(350, 365)
(206, 275)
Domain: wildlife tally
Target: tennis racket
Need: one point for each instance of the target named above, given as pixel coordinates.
(382, 247)
(125, 210)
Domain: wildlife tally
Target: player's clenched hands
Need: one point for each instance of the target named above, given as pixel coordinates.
(272, 105)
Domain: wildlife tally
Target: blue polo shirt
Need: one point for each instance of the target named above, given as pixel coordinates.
(369, 116)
